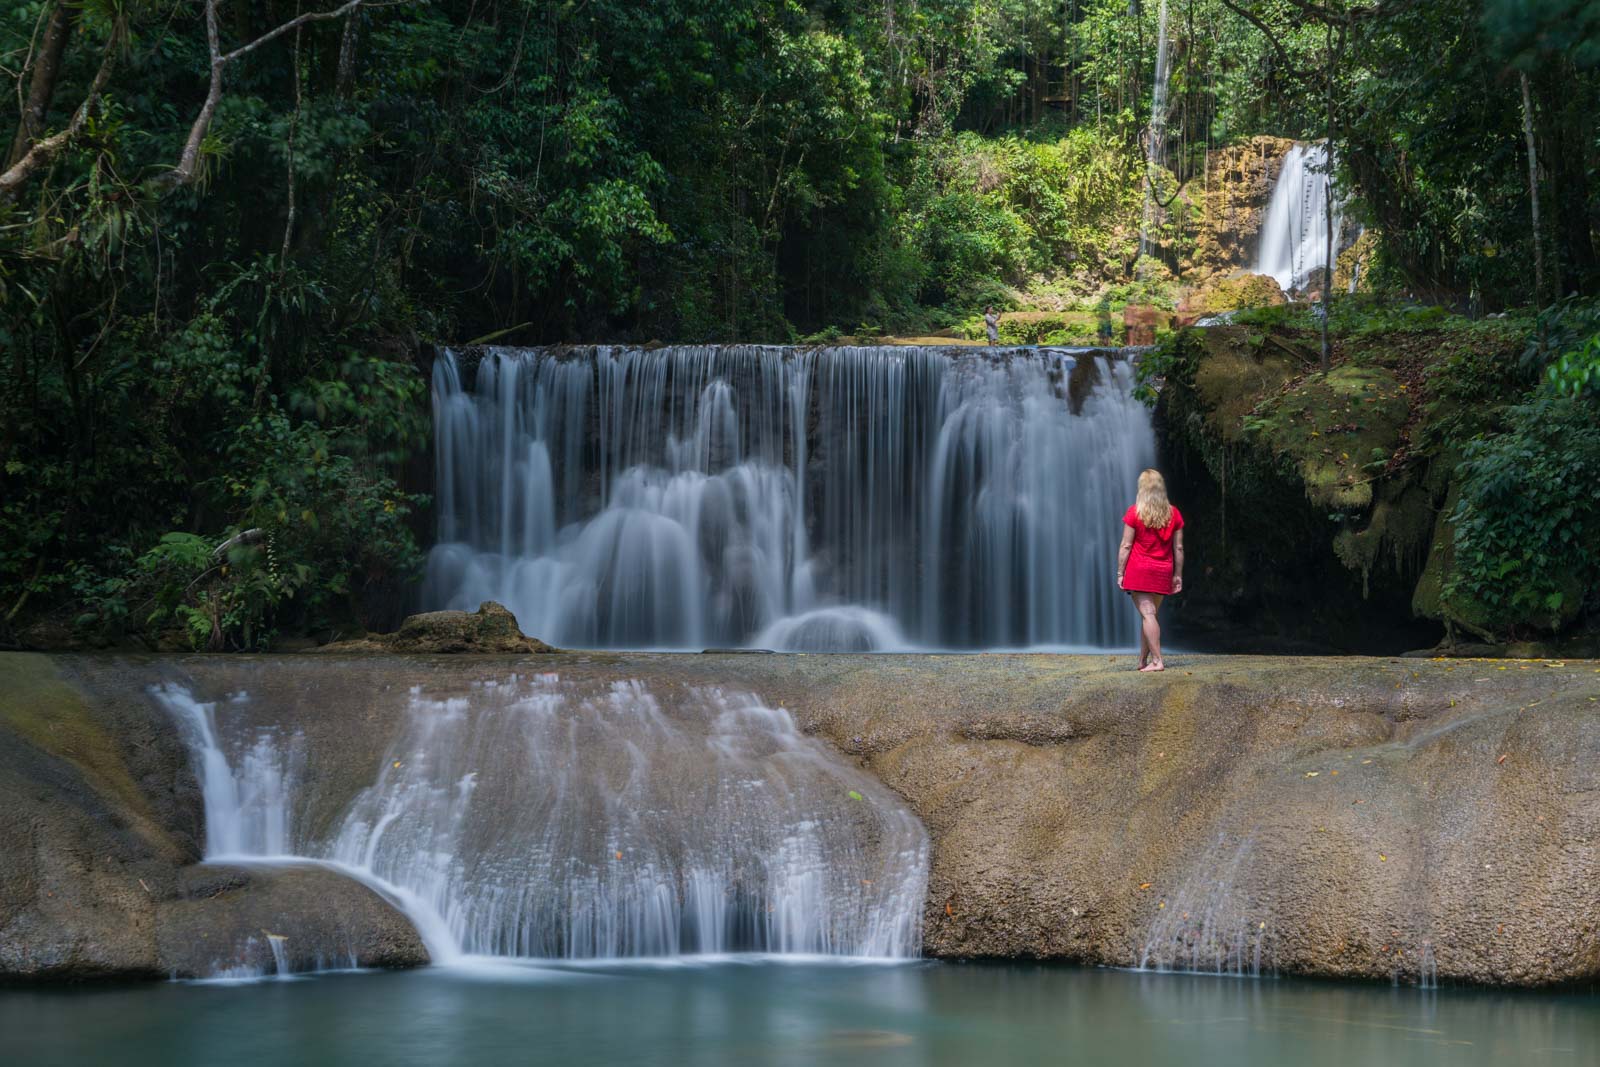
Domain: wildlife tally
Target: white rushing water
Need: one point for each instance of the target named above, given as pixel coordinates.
(538, 819)
(859, 499)
(1294, 230)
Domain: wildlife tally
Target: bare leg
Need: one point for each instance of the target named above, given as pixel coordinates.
(1150, 630)
(1144, 646)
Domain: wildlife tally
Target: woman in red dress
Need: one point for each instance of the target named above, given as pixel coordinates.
(1150, 562)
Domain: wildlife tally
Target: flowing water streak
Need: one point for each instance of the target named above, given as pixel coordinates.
(249, 814)
(1294, 230)
(1208, 926)
(539, 819)
(847, 498)
(1156, 135)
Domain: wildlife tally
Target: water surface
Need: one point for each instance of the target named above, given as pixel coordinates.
(793, 1013)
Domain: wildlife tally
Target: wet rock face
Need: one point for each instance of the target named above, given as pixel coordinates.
(97, 813)
(1344, 817)
(490, 629)
(100, 828)
(1230, 199)
(228, 919)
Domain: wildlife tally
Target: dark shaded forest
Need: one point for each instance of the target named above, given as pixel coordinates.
(229, 232)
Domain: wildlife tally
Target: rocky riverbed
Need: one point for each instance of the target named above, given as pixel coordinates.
(1349, 817)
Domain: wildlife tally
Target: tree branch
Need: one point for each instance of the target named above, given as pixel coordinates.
(188, 160)
(46, 64)
(43, 151)
(1266, 31)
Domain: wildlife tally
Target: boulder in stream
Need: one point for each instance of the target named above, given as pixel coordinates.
(491, 629)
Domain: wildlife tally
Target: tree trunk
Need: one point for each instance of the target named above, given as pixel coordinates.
(1533, 191)
(42, 86)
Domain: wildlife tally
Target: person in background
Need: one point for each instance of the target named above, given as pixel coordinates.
(991, 324)
(1150, 561)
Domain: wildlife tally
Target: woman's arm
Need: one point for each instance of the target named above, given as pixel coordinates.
(1177, 562)
(1125, 551)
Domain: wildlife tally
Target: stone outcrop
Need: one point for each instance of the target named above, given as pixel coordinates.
(101, 825)
(226, 917)
(1230, 198)
(490, 629)
(1342, 817)
(1230, 293)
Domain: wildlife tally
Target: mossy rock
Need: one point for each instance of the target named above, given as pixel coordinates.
(1396, 532)
(1235, 293)
(1362, 252)
(491, 629)
(1233, 371)
(1051, 328)
(1330, 428)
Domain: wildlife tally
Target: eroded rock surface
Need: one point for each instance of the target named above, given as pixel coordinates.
(227, 918)
(1347, 817)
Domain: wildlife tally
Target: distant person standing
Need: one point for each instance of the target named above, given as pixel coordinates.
(1150, 561)
(991, 324)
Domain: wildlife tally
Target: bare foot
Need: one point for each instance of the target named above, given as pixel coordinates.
(1152, 667)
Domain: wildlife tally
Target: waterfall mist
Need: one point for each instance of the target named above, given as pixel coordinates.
(830, 499)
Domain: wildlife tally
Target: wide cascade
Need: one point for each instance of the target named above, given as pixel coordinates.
(852, 499)
(538, 817)
(1294, 230)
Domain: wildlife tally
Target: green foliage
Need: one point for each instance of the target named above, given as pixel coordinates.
(981, 211)
(240, 352)
(1577, 372)
(1528, 517)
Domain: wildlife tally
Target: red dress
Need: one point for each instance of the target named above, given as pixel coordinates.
(1149, 568)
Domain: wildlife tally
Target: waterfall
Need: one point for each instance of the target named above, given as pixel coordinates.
(1156, 136)
(830, 499)
(247, 811)
(542, 819)
(1294, 231)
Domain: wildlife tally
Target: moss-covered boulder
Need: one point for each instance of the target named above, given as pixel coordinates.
(1233, 293)
(1338, 430)
(492, 629)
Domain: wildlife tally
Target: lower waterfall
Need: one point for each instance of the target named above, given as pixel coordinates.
(542, 819)
(836, 499)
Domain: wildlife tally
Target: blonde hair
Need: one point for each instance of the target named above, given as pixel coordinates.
(1151, 504)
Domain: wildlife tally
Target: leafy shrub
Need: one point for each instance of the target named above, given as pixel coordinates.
(1529, 517)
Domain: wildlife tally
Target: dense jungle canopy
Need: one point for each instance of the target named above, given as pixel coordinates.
(229, 229)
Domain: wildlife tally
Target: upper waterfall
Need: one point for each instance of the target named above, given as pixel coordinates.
(1294, 230)
(840, 498)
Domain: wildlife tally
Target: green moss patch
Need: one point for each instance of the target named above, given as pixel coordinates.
(51, 715)
(1337, 430)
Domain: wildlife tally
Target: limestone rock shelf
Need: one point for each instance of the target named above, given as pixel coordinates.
(1360, 818)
